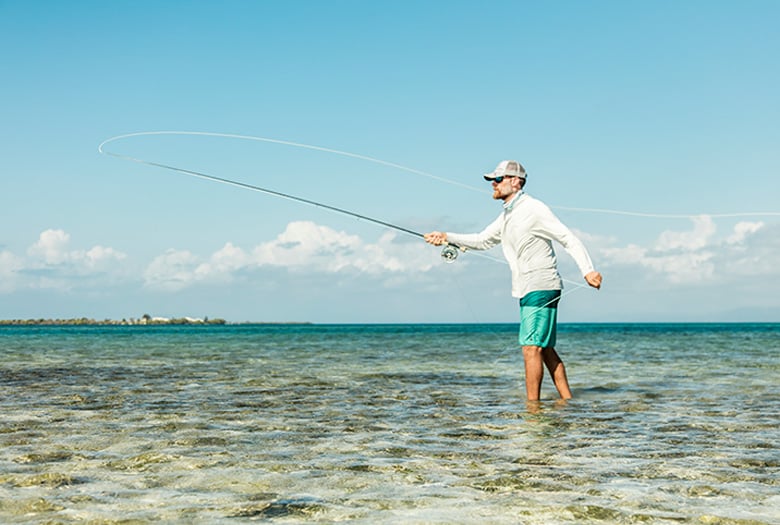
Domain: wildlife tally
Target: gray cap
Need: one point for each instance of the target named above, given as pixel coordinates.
(507, 168)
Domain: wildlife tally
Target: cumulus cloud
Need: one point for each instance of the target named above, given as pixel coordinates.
(688, 241)
(302, 247)
(51, 263)
(51, 247)
(706, 253)
(173, 270)
(742, 230)
(699, 254)
(752, 250)
(52, 250)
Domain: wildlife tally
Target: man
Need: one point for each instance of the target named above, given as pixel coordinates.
(526, 229)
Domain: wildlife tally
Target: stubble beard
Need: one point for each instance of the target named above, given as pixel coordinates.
(501, 195)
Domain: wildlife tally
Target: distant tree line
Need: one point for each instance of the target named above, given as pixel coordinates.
(146, 319)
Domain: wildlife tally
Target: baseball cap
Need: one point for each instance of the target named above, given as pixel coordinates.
(507, 168)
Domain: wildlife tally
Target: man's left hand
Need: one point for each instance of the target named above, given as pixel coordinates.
(594, 279)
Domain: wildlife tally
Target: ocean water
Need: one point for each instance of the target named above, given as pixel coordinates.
(387, 424)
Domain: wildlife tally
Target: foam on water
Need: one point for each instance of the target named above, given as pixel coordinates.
(393, 424)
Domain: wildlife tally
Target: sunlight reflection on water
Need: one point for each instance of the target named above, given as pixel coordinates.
(390, 424)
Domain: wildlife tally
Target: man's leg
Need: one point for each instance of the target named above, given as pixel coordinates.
(557, 371)
(538, 314)
(534, 371)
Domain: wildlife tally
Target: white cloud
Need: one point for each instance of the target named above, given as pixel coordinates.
(99, 256)
(310, 261)
(302, 247)
(51, 250)
(174, 270)
(51, 247)
(752, 251)
(305, 245)
(688, 267)
(699, 255)
(304, 242)
(694, 256)
(49, 263)
(743, 230)
(703, 230)
(222, 264)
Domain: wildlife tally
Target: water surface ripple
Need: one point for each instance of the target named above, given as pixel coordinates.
(387, 424)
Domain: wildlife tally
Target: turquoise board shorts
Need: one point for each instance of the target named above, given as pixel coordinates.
(538, 318)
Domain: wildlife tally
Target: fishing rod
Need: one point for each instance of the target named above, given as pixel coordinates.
(449, 252)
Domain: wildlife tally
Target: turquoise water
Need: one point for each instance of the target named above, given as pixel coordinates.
(387, 424)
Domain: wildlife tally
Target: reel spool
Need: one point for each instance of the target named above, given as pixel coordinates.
(449, 253)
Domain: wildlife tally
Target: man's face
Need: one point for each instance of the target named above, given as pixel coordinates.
(508, 186)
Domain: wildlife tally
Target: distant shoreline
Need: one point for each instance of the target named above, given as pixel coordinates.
(151, 321)
(145, 320)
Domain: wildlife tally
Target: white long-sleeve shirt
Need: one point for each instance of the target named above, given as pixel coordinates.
(526, 229)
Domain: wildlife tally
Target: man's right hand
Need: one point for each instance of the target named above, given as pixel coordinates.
(436, 238)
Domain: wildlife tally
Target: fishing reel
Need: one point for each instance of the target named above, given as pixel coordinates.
(449, 253)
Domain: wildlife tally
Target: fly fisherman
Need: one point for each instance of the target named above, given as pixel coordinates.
(526, 229)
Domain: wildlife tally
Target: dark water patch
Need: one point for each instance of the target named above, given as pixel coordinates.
(756, 463)
(472, 434)
(704, 491)
(29, 507)
(22, 426)
(46, 479)
(44, 457)
(201, 441)
(425, 378)
(398, 451)
(44, 376)
(362, 467)
(536, 460)
(659, 517)
(286, 508)
(517, 482)
(141, 462)
(595, 512)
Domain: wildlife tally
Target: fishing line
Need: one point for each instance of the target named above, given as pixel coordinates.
(415, 171)
(288, 143)
(449, 251)
(671, 215)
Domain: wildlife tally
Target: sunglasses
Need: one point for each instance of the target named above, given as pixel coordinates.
(500, 178)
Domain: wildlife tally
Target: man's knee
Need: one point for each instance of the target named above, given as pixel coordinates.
(532, 351)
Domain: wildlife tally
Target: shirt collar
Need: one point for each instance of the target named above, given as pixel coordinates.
(511, 204)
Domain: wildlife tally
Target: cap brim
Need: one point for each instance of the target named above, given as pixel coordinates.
(491, 177)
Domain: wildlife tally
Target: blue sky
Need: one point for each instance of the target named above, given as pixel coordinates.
(649, 107)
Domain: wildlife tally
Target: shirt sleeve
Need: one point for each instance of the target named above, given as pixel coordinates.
(547, 225)
(483, 240)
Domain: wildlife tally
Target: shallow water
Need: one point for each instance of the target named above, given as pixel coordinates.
(387, 424)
